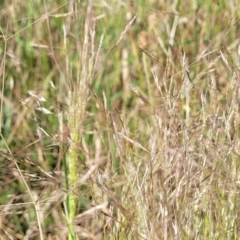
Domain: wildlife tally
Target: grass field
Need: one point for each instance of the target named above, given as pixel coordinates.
(120, 120)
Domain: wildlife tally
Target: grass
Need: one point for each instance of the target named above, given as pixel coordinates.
(119, 120)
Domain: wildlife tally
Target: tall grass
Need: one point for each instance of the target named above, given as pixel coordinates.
(119, 120)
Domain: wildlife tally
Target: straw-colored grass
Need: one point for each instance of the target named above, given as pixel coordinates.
(119, 120)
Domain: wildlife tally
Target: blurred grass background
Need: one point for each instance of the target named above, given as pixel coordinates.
(158, 152)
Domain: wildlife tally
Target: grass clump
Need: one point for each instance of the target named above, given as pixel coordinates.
(119, 120)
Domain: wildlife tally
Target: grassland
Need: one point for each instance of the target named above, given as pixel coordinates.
(120, 120)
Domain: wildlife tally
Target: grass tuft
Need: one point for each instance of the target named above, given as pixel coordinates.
(119, 120)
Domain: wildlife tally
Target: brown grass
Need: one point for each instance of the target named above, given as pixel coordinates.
(119, 120)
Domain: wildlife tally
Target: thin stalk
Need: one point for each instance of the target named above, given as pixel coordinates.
(78, 97)
(75, 124)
